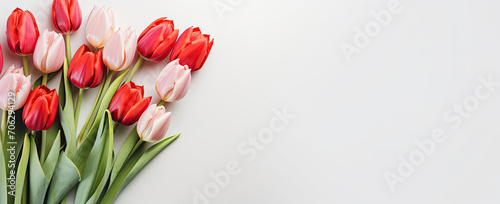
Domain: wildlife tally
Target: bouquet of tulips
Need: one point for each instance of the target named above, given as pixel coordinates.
(43, 156)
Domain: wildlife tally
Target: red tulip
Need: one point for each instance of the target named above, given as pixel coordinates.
(67, 15)
(41, 108)
(157, 40)
(86, 68)
(22, 32)
(128, 104)
(192, 48)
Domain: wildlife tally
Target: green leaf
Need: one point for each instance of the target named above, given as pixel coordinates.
(132, 168)
(107, 159)
(98, 165)
(66, 176)
(38, 82)
(21, 171)
(107, 99)
(124, 153)
(66, 112)
(3, 176)
(40, 175)
(50, 136)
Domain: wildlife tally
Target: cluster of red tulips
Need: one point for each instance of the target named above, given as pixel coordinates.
(61, 158)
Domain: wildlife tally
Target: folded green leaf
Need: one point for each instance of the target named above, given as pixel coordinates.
(22, 170)
(66, 176)
(133, 166)
(106, 163)
(124, 153)
(98, 165)
(40, 175)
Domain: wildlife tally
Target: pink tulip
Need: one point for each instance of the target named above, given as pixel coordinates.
(14, 81)
(173, 82)
(153, 124)
(120, 50)
(100, 25)
(49, 52)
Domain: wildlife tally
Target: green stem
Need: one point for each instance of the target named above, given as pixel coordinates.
(4, 125)
(137, 145)
(25, 65)
(43, 149)
(160, 103)
(44, 79)
(78, 105)
(68, 47)
(136, 66)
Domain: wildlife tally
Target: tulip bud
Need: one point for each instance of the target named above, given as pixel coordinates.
(100, 26)
(14, 81)
(49, 52)
(86, 68)
(67, 15)
(192, 48)
(157, 40)
(128, 104)
(173, 82)
(41, 108)
(120, 49)
(22, 32)
(153, 124)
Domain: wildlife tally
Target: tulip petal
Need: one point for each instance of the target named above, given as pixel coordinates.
(38, 114)
(181, 43)
(145, 119)
(135, 111)
(62, 20)
(114, 51)
(160, 127)
(55, 54)
(75, 14)
(194, 54)
(181, 86)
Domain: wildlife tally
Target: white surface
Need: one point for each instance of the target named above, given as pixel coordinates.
(352, 120)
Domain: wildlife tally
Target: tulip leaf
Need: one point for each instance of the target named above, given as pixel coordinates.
(66, 112)
(135, 164)
(124, 153)
(40, 175)
(98, 165)
(38, 81)
(106, 165)
(50, 136)
(106, 99)
(21, 171)
(66, 176)
(3, 176)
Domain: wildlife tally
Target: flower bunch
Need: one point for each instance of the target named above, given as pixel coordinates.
(61, 156)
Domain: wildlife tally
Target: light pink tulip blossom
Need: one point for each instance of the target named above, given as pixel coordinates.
(14, 85)
(100, 26)
(49, 52)
(120, 50)
(173, 82)
(153, 124)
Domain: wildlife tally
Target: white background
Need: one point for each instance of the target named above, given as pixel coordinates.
(352, 120)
